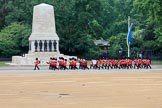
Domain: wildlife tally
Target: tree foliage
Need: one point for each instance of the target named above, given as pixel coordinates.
(14, 39)
(80, 22)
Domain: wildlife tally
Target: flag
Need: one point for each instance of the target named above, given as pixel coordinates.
(129, 36)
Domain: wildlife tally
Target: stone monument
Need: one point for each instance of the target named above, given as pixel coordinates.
(43, 41)
(43, 37)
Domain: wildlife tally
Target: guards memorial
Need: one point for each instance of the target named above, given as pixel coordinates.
(43, 41)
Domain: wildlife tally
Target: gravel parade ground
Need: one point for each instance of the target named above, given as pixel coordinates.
(22, 87)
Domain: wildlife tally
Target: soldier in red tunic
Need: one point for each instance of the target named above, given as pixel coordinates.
(36, 63)
(53, 63)
(85, 64)
(149, 63)
(49, 62)
(129, 65)
(108, 63)
(139, 63)
(64, 64)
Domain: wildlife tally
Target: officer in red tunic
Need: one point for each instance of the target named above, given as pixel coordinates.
(54, 63)
(61, 63)
(49, 62)
(116, 63)
(148, 63)
(85, 64)
(75, 63)
(139, 63)
(121, 63)
(81, 64)
(102, 63)
(108, 63)
(64, 64)
(98, 64)
(135, 63)
(129, 65)
(36, 63)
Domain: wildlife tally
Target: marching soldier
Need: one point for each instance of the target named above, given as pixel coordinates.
(129, 65)
(85, 64)
(36, 63)
(108, 63)
(49, 62)
(64, 64)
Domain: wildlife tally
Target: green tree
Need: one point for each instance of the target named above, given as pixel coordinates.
(77, 26)
(13, 39)
(152, 11)
(3, 12)
(79, 22)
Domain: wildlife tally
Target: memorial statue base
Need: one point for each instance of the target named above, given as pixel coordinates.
(29, 59)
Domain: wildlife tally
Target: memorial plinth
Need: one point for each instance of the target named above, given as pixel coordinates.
(43, 37)
(43, 41)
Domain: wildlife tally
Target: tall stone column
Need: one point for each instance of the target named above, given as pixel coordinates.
(43, 26)
(52, 46)
(47, 46)
(42, 45)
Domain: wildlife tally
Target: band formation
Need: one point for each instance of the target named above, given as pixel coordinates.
(73, 63)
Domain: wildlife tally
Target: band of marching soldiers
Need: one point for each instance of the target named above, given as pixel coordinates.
(73, 63)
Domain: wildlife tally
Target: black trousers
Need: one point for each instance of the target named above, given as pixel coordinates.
(36, 67)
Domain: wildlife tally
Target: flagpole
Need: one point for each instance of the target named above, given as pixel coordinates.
(128, 31)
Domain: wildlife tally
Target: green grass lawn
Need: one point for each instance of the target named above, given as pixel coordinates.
(3, 64)
(156, 62)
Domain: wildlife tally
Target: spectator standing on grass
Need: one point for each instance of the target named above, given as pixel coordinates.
(36, 63)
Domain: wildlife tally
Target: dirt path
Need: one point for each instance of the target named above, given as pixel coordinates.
(82, 90)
